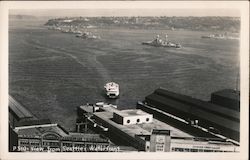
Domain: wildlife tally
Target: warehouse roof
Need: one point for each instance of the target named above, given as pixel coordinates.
(39, 130)
(228, 93)
(192, 111)
(19, 110)
(33, 122)
(209, 107)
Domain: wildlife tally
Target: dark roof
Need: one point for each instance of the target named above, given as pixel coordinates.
(35, 131)
(228, 93)
(91, 137)
(33, 122)
(184, 110)
(160, 131)
(19, 111)
(209, 107)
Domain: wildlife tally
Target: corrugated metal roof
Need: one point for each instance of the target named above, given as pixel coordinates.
(39, 131)
(18, 109)
(213, 108)
(228, 93)
(188, 110)
(33, 122)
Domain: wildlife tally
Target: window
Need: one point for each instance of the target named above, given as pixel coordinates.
(159, 148)
(147, 119)
(206, 150)
(24, 142)
(128, 121)
(193, 150)
(178, 149)
(67, 144)
(186, 150)
(138, 120)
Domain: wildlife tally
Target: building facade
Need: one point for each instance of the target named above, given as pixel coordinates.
(160, 141)
(30, 134)
(159, 136)
(53, 138)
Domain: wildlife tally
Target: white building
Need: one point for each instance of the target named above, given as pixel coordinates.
(132, 116)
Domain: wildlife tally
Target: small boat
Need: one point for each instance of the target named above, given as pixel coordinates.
(112, 89)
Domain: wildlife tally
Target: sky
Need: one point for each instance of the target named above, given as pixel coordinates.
(126, 12)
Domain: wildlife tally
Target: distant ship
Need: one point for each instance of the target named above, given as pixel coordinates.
(157, 42)
(112, 89)
(70, 30)
(219, 36)
(87, 35)
(54, 28)
(78, 33)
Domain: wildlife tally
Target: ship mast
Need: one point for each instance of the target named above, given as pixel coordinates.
(237, 81)
(237, 85)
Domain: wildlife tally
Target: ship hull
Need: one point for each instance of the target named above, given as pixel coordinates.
(172, 45)
(112, 90)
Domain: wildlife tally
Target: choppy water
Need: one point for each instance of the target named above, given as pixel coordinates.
(52, 73)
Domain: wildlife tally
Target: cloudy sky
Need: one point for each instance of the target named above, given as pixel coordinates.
(127, 12)
(126, 8)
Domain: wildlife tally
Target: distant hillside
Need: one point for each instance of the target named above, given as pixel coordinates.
(21, 17)
(228, 24)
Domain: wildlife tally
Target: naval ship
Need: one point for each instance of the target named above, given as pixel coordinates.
(157, 42)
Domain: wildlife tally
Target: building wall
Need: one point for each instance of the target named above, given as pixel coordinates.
(12, 119)
(143, 145)
(128, 120)
(55, 145)
(118, 119)
(137, 119)
(160, 143)
(13, 140)
(178, 145)
(225, 102)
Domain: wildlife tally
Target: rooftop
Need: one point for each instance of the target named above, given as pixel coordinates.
(87, 108)
(139, 129)
(188, 110)
(130, 112)
(228, 93)
(39, 130)
(33, 122)
(202, 105)
(18, 109)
